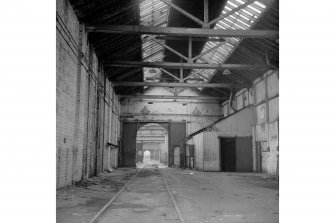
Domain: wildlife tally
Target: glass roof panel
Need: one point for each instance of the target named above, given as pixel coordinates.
(244, 18)
(152, 13)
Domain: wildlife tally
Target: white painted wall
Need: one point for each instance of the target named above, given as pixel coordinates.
(239, 124)
(260, 120)
(196, 114)
(267, 120)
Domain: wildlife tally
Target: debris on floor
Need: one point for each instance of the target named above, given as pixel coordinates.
(78, 204)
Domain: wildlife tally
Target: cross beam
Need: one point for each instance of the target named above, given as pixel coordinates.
(178, 84)
(177, 31)
(173, 97)
(185, 65)
(180, 38)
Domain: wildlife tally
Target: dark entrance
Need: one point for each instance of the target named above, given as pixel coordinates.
(236, 154)
(228, 154)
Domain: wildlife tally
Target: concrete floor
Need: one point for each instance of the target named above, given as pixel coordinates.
(200, 196)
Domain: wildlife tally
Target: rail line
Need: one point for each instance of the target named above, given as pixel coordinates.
(172, 198)
(98, 214)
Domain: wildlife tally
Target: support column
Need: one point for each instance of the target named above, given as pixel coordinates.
(190, 50)
(181, 71)
(206, 25)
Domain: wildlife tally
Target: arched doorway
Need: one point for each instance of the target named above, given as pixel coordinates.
(176, 135)
(151, 146)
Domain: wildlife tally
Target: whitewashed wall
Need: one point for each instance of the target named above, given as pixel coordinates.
(257, 115)
(237, 125)
(266, 128)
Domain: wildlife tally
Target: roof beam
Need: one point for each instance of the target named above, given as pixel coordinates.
(177, 84)
(177, 31)
(185, 65)
(167, 79)
(182, 11)
(172, 97)
(204, 39)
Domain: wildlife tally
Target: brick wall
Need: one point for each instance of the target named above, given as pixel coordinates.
(83, 111)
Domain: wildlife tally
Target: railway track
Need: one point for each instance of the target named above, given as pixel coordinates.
(114, 198)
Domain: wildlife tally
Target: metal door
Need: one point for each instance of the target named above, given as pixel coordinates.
(243, 154)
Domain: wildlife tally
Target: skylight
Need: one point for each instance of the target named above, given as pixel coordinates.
(244, 19)
(153, 13)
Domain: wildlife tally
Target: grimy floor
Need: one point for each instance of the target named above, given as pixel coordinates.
(199, 196)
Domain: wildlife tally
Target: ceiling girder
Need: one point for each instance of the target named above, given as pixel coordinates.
(178, 84)
(172, 97)
(177, 31)
(185, 65)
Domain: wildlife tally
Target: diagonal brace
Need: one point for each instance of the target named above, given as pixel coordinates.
(170, 49)
(168, 73)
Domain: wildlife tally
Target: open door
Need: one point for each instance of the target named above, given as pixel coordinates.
(228, 154)
(236, 154)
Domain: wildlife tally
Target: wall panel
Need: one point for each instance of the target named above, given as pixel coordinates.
(211, 151)
(274, 109)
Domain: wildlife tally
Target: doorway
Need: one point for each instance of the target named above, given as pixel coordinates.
(175, 133)
(151, 146)
(236, 154)
(228, 154)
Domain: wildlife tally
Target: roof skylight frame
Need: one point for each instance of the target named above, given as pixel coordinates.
(240, 19)
(153, 13)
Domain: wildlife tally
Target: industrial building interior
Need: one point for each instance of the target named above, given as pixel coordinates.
(167, 111)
